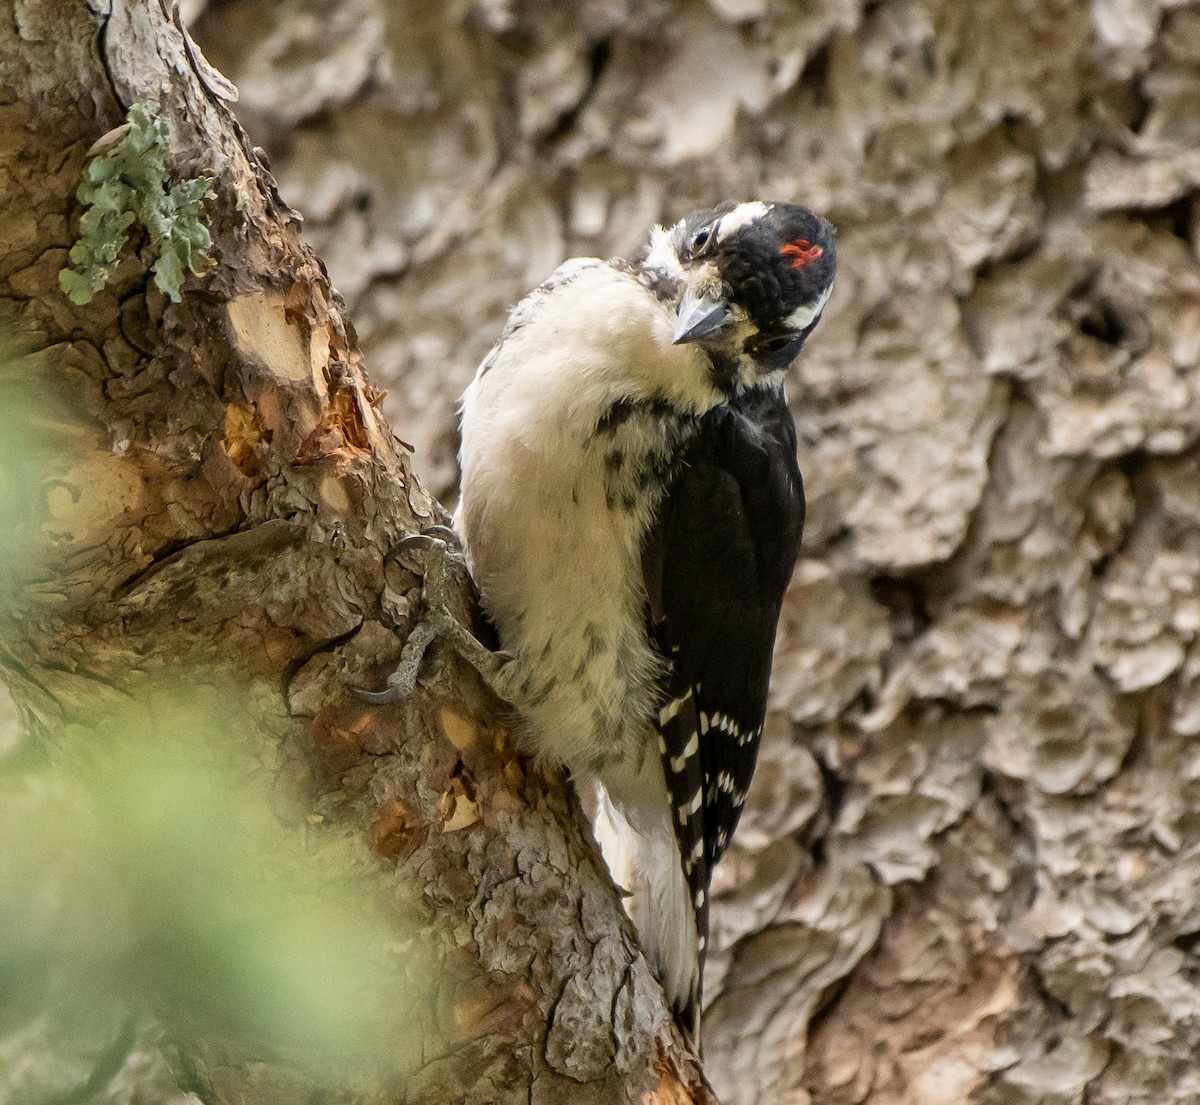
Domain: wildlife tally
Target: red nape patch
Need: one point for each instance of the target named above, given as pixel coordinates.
(801, 251)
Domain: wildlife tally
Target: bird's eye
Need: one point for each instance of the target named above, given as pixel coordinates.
(700, 239)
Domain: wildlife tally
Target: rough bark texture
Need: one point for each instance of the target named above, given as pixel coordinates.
(222, 502)
(970, 863)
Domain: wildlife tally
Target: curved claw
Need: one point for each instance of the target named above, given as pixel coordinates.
(378, 698)
(501, 671)
(429, 537)
(414, 541)
(443, 533)
(403, 681)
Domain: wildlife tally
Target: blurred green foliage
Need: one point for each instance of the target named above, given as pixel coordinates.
(148, 871)
(131, 183)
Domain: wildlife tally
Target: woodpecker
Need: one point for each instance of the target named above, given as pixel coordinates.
(631, 511)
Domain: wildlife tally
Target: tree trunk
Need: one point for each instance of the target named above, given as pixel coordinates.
(217, 497)
(968, 865)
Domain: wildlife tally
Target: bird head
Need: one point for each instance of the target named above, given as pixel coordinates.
(755, 277)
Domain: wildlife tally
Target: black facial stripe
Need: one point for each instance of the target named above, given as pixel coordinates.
(725, 369)
(776, 350)
(755, 285)
(767, 285)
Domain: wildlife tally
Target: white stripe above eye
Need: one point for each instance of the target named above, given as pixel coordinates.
(742, 215)
(802, 317)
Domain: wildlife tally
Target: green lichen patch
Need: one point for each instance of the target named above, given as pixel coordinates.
(130, 183)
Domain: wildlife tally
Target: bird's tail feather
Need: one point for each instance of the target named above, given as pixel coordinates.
(638, 843)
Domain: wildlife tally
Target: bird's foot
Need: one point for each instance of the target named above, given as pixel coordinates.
(443, 561)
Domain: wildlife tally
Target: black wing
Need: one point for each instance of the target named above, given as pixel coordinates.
(717, 563)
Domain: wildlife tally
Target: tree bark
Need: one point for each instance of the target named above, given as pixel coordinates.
(221, 504)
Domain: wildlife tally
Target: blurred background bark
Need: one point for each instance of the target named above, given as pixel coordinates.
(970, 863)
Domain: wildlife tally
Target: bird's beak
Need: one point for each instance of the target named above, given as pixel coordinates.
(701, 315)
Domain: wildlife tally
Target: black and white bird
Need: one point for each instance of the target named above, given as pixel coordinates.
(631, 511)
